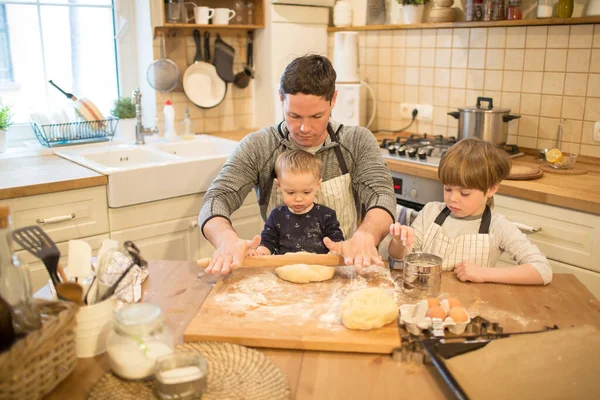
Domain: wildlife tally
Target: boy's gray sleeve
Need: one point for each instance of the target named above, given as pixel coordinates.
(233, 183)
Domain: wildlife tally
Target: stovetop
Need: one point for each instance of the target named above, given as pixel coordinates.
(419, 149)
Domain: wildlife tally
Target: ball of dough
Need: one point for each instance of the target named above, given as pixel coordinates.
(458, 314)
(453, 302)
(304, 273)
(432, 302)
(436, 312)
(368, 309)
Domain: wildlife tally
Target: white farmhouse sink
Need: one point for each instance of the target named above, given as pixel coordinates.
(139, 174)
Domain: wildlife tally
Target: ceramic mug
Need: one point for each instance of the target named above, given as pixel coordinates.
(223, 16)
(203, 14)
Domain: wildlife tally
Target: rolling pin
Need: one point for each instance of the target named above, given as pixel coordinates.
(330, 260)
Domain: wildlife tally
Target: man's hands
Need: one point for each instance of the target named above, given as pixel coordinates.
(230, 253)
(259, 251)
(359, 250)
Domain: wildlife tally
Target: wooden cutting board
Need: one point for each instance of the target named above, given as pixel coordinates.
(519, 172)
(253, 307)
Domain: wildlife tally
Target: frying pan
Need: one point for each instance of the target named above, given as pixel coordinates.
(201, 83)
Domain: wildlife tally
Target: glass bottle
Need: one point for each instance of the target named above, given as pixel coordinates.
(513, 11)
(564, 9)
(15, 286)
(241, 13)
(173, 9)
(544, 8)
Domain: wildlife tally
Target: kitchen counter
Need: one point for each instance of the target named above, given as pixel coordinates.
(179, 289)
(28, 176)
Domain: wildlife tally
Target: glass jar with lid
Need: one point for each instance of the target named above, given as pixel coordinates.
(513, 11)
(138, 338)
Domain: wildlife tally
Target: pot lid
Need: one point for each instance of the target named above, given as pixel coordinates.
(485, 105)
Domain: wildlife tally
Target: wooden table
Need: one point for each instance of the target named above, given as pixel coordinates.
(179, 289)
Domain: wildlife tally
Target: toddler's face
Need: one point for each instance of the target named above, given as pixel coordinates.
(298, 190)
(466, 202)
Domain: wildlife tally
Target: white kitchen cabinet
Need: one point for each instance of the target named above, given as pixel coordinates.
(570, 239)
(247, 221)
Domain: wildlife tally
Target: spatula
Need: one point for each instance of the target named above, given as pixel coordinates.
(37, 242)
(329, 260)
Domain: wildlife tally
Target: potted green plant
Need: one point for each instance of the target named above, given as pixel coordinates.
(124, 109)
(413, 10)
(6, 121)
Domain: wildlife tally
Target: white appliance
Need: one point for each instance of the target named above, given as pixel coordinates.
(290, 31)
(351, 105)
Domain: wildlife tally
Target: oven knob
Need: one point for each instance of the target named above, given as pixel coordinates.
(392, 148)
(412, 152)
(413, 194)
(402, 151)
(422, 154)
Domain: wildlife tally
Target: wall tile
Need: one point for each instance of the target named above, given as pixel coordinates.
(372, 39)
(411, 94)
(397, 94)
(531, 104)
(413, 38)
(554, 83)
(494, 59)
(444, 38)
(427, 57)
(398, 57)
(512, 101)
(578, 60)
(514, 59)
(371, 73)
(413, 57)
(592, 109)
(528, 126)
(385, 38)
(442, 77)
(460, 38)
(439, 116)
(411, 77)
(590, 151)
(441, 96)
(515, 37)
(593, 88)
(426, 95)
(512, 81)
(399, 39)
(572, 131)
(458, 78)
(532, 82)
(384, 73)
(460, 58)
(573, 107)
(595, 63)
(496, 38)
(528, 142)
(440, 130)
(536, 37)
(534, 59)
(478, 38)
(587, 133)
(472, 95)
(442, 58)
(493, 80)
(457, 98)
(372, 56)
(398, 75)
(575, 84)
(556, 60)
(428, 38)
(385, 56)
(477, 58)
(547, 130)
(596, 42)
(551, 106)
(475, 79)
(558, 37)
(581, 36)
(426, 76)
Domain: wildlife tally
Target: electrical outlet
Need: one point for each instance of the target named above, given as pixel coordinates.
(597, 131)
(425, 112)
(406, 110)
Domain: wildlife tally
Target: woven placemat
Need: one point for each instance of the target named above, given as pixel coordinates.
(572, 171)
(234, 372)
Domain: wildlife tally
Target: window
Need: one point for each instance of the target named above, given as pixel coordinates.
(5, 60)
(71, 42)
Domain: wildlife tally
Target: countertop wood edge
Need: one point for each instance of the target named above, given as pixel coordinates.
(53, 187)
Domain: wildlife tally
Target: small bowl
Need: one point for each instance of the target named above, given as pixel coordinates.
(568, 162)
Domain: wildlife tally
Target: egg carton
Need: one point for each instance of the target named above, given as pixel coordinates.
(413, 317)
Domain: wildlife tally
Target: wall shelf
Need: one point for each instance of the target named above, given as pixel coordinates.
(188, 29)
(477, 24)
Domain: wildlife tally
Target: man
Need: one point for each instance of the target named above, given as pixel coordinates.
(356, 182)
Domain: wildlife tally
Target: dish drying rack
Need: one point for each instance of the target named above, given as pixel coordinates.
(71, 133)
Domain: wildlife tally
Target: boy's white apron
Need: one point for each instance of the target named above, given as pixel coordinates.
(475, 247)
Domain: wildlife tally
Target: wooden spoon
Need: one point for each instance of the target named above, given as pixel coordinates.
(70, 291)
(329, 260)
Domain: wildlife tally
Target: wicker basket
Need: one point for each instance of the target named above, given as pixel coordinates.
(37, 363)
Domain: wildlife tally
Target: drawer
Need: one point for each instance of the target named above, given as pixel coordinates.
(37, 269)
(72, 214)
(568, 236)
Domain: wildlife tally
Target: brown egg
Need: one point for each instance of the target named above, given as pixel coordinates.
(432, 302)
(453, 302)
(436, 312)
(458, 314)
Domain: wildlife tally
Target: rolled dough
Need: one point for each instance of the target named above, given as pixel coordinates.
(368, 309)
(304, 273)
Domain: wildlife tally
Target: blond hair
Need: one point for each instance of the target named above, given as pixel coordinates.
(298, 161)
(473, 163)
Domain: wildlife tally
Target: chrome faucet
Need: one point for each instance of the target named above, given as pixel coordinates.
(140, 131)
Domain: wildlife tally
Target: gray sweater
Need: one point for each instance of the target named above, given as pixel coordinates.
(251, 166)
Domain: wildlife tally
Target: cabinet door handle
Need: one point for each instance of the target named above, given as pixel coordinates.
(194, 224)
(527, 228)
(55, 220)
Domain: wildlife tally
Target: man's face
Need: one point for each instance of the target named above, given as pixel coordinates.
(306, 117)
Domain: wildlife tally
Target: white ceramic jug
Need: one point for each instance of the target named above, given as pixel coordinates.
(345, 57)
(342, 14)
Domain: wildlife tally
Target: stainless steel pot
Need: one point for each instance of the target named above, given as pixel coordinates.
(489, 123)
